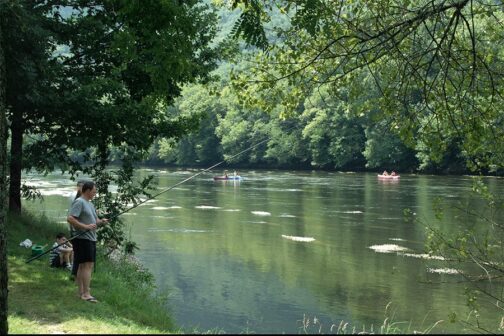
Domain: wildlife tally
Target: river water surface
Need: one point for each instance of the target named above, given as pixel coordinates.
(261, 254)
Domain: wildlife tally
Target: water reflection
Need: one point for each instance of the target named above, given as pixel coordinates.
(219, 248)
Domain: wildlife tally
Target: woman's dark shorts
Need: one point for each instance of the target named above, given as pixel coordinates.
(84, 250)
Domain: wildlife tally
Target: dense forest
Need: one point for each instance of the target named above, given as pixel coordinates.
(329, 128)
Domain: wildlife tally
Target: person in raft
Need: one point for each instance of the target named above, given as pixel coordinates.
(385, 173)
(84, 219)
(393, 173)
(63, 255)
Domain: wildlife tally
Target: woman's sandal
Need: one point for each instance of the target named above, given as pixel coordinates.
(90, 299)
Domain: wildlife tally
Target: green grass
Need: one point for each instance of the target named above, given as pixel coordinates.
(44, 300)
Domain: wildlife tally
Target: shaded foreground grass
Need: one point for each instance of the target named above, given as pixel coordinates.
(44, 300)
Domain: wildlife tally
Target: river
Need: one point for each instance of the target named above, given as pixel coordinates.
(262, 254)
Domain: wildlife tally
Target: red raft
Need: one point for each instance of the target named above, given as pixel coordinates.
(390, 177)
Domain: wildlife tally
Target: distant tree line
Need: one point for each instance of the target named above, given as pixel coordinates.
(327, 132)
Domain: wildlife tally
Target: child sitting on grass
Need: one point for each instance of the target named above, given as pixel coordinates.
(63, 255)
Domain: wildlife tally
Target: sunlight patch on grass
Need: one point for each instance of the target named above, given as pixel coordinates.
(78, 325)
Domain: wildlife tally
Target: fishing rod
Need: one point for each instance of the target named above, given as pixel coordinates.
(156, 195)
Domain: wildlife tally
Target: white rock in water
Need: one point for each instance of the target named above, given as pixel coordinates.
(54, 192)
(261, 213)
(206, 207)
(443, 270)
(423, 256)
(302, 239)
(388, 248)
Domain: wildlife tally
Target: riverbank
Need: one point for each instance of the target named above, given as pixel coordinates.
(44, 300)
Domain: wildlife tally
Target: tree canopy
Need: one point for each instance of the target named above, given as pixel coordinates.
(98, 74)
(437, 65)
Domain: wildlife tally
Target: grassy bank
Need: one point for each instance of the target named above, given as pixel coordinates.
(44, 300)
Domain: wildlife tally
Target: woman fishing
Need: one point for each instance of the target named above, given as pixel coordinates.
(85, 221)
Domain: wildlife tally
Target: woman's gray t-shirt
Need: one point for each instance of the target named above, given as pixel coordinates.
(85, 213)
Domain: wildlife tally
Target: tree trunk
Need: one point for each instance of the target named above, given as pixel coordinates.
(16, 163)
(3, 197)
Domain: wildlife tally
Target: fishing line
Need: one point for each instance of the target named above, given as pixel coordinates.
(161, 192)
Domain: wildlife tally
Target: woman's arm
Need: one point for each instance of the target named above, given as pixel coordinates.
(80, 226)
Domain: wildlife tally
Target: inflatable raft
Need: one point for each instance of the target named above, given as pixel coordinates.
(226, 178)
(392, 177)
